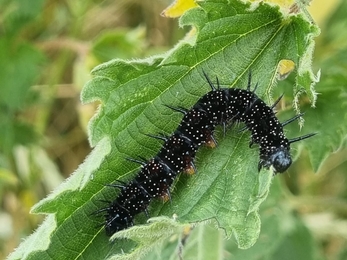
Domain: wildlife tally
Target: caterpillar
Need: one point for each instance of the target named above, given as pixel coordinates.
(220, 106)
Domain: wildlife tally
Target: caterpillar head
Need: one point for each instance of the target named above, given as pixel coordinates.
(279, 158)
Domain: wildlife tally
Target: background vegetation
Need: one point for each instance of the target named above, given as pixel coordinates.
(47, 49)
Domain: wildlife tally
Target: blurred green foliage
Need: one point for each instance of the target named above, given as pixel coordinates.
(47, 49)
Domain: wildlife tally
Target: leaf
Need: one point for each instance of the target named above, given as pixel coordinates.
(330, 114)
(281, 228)
(329, 117)
(231, 40)
(205, 242)
(285, 67)
(14, 133)
(149, 236)
(280, 225)
(298, 244)
(16, 77)
(119, 43)
(283, 3)
(17, 13)
(178, 7)
(20, 64)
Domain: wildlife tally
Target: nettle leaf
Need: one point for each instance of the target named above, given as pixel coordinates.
(231, 40)
(329, 117)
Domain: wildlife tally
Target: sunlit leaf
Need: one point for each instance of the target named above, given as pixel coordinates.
(178, 8)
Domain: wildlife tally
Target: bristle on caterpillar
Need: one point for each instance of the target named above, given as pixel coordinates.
(220, 106)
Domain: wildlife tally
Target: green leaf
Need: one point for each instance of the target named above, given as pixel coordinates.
(329, 117)
(281, 225)
(16, 76)
(20, 64)
(150, 236)
(298, 244)
(281, 228)
(18, 13)
(231, 40)
(205, 242)
(201, 242)
(119, 43)
(14, 132)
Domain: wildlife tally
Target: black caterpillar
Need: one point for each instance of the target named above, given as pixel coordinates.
(220, 106)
